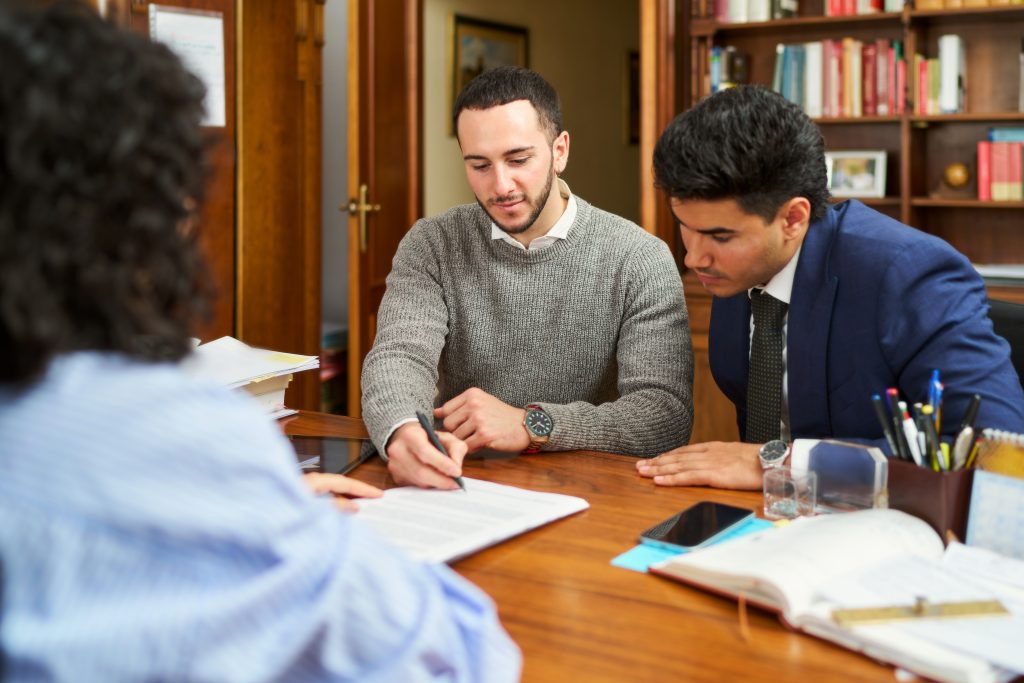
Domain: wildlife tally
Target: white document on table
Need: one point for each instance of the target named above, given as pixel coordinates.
(442, 526)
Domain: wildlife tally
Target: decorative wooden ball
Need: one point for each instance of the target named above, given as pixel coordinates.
(956, 175)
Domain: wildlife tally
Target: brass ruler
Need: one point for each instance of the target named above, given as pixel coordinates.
(922, 609)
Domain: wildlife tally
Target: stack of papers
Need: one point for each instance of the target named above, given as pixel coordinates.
(261, 373)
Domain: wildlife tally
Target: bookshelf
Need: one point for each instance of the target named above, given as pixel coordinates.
(918, 146)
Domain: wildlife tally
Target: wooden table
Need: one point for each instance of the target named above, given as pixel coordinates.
(578, 618)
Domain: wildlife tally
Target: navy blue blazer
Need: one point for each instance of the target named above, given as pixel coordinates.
(875, 304)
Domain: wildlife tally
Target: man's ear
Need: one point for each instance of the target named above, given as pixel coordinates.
(796, 217)
(560, 151)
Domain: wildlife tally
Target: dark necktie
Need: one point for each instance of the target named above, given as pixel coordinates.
(764, 382)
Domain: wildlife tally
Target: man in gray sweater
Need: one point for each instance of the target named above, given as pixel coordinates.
(531, 320)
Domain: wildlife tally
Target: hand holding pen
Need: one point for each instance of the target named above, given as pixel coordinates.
(414, 458)
(436, 442)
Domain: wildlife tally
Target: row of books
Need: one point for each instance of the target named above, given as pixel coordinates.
(744, 11)
(261, 373)
(940, 80)
(842, 78)
(1000, 171)
(848, 8)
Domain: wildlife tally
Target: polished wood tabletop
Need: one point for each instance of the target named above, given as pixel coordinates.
(578, 618)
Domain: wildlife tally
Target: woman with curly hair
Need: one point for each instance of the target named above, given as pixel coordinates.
(152, 526)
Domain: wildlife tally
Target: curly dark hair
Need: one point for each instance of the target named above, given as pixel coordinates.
(508, 84)
(102, 167)
(746, 143)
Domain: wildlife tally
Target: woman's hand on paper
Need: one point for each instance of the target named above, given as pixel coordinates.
(413, 460)
(715, 463)
(342, 488)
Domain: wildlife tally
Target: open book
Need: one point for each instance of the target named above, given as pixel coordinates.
(442, 526)
(869, 558)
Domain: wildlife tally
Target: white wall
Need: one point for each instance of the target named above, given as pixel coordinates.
(334, 275)
(580, 47)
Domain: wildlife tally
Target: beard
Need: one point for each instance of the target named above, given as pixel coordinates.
(537, 203)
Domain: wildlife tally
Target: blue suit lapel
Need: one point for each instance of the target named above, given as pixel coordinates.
(810, 318)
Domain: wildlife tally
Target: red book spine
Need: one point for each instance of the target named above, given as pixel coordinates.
(901, 85)
(1000, 171)
(921, 104)
(868, 66)
(1014, 172)
(985, 170)
(882, 76)
(890, 75)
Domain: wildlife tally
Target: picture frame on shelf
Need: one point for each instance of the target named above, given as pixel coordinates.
(856, 173)
(479, 45)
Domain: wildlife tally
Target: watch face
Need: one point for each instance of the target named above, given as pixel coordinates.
(538, 422)
(774, 451)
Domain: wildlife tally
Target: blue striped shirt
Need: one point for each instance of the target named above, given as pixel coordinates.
(156, 528)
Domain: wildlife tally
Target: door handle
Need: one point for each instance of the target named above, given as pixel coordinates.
(361, 208)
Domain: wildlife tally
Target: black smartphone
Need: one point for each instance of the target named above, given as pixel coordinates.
(694, 526)
(332, 454)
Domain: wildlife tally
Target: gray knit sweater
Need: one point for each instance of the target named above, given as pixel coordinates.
(593, 328)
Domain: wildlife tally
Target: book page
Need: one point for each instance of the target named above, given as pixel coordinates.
(942, 645)
(987, 566)
(785, 567)
(441, 526)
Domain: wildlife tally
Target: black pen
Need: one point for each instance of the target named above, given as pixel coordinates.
(432, 435)
(971, 414)
(883, 419)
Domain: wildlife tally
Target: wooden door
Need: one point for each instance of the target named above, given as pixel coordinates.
(384, 164)
(217, 219)
(278, 181)
(260, 225)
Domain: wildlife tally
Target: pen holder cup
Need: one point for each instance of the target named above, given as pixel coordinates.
(940, 498)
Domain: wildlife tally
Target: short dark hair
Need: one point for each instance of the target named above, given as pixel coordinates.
(746, 143)
(506, 84)
(102, 165)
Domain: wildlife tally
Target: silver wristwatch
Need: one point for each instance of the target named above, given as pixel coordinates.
(773, 454)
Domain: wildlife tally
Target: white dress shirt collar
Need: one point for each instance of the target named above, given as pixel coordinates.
(781, 284)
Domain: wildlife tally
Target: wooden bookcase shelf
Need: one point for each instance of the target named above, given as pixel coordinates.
(985, 117)
(925, 202)
(918, 147)
(859, 120)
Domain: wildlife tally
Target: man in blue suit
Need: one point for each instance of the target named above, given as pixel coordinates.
(864, 302)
